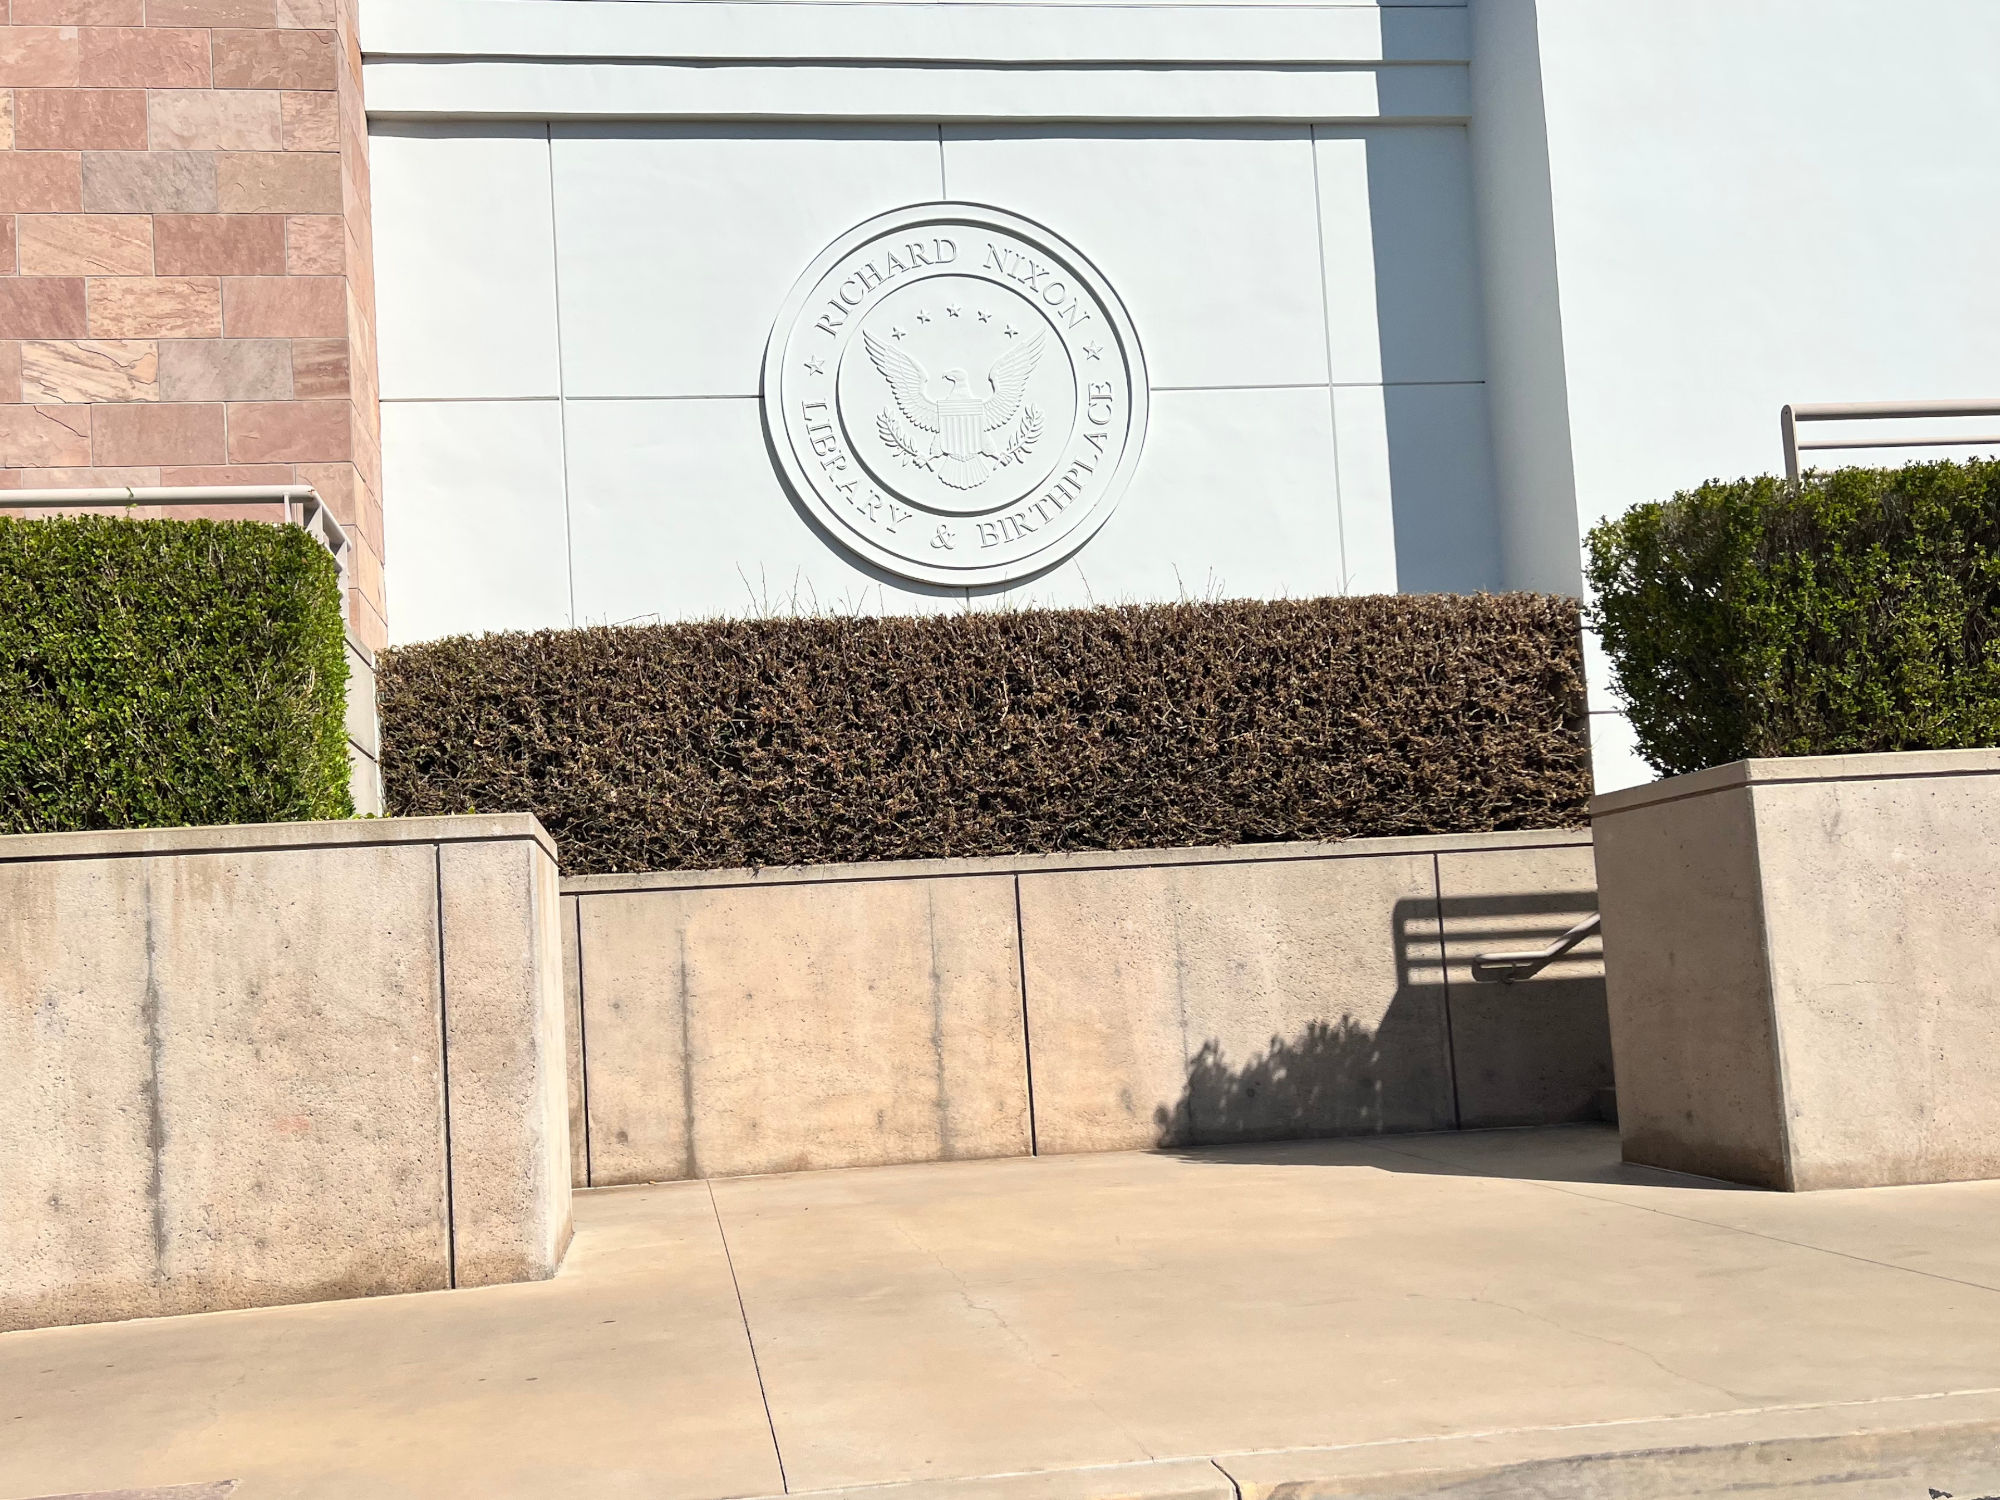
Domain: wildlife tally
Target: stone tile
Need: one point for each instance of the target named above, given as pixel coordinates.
(86, 245)
(43, 307)
(229, 474)
(314, 244)
(38, 437)
(143, 57)
(80, 478)
(157, 433)
(279, 182)
(319, 14)
(39, 57)
(79, 12)
(211, 13)
(219, 244)
(155, 307)
(78, 119)
(302, 431)
(312, 121)
(225, 370)
(10, 373)
(6, 119)
(48, 182)
(319, 369)
(7, 262)
(275, 60)
(90, 370)
(285, 307)
(149, 182)
(215, 120)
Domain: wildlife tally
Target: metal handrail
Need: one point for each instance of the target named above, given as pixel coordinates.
(1865, 411)
(1529, 962)
(313, 516)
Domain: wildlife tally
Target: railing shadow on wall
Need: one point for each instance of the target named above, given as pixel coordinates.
(1448, 1052)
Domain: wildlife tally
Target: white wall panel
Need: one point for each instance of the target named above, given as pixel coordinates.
(464, 260)
(678, 514)
(1367, 489)
(1402, 268)
(475, 531)
(679, 243)
(1440, 464)
(1235, 498)
(1418, 458)
(1210, 236)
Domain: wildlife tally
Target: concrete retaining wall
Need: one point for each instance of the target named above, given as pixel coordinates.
(727, 1022)
(278, 1063)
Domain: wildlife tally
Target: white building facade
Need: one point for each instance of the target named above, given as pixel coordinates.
(1241, 300)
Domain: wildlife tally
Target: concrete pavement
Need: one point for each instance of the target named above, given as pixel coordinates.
(1274, 1321)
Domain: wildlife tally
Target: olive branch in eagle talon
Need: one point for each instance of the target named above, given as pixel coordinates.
(960, 424)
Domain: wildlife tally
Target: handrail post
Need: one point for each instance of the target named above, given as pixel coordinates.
(1788, 431)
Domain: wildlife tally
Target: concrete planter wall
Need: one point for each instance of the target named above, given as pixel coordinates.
(1804, 968)
(277, 1063)
(755, 1021)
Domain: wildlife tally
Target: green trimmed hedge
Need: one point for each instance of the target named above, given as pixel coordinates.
(1856, 611)
(160, 673)
(820, 740)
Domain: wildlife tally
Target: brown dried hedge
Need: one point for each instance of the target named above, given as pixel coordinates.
(805, 741)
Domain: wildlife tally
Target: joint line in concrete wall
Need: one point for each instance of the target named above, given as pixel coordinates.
(444, 1076)
(1444, 974)
(1027, 1044)
(749, 1338)
(582, 1044)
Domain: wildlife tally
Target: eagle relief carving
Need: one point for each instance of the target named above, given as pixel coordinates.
(963, 434)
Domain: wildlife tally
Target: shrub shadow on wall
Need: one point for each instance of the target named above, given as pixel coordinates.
(1446, 1053)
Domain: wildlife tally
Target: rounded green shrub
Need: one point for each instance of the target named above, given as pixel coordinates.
(164, 673)
(1854, 611)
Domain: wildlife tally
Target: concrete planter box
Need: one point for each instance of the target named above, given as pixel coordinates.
(1803, 965)
(278, 1063)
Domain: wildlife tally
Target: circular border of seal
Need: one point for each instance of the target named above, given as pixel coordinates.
(828, 520)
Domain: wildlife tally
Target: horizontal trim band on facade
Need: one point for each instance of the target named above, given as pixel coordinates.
(415, 89)
(892, 31)
(1169, 390)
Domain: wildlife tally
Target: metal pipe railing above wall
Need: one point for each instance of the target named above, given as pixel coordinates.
(302, 506)
(1867, 411)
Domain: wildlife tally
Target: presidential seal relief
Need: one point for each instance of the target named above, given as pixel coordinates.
(955, 395)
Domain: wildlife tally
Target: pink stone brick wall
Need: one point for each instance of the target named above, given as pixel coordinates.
(186, 286)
